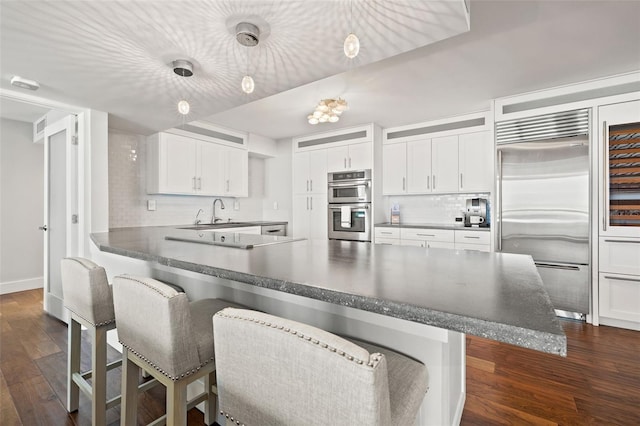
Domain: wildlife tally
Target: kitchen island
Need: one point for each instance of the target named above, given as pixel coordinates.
(419, 302)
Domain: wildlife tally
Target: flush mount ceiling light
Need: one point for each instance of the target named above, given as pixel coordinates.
(248, 35)
(24, 83)
(328, 111)
(183, 68)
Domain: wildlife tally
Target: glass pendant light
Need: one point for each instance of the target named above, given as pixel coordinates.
(184, 107)
(351, 46)
(248, 85)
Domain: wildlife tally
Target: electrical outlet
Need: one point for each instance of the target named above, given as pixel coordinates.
(151, 205)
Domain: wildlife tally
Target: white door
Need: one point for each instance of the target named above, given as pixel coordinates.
(475, 161)
(318, 171)
(210, 173)
(318, 217)
(237, 163)
(301, 172)
(360, 156)
(61, 208)
(300, 227)
(180, 162)
(338, 159)
(394, 168)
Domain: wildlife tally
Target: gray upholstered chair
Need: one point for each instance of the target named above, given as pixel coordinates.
(273, 371)
(88, 297)
(170, 337)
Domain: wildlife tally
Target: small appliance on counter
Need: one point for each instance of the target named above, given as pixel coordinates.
(476, 213)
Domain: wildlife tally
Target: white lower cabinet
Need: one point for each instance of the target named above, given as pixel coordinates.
(310, 218)
(427, 237)
(473, 240)
(619, 282)
(434, 238)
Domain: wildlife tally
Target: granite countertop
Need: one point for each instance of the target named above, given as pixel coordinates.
(460, 227)
(498, 296)
(222, 225)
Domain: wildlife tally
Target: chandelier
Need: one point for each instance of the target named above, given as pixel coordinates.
(328, 111)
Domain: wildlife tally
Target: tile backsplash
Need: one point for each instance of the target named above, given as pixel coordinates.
(128, 195)
(439, 208)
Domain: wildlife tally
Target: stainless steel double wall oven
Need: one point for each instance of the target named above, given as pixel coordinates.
(349, 195)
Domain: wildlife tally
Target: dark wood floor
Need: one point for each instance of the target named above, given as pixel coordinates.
(598, 383)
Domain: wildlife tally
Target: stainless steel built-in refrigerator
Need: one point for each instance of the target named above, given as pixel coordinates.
(543, 201)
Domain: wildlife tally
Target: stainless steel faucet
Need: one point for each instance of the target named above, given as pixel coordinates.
(197, 221)
(214, 218)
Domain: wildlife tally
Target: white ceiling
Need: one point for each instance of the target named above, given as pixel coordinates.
(114, 57)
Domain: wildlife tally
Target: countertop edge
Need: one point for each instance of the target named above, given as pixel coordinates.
(532, 339)
(430, 226)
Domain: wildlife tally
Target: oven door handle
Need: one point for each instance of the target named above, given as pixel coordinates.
(354, 184)
(354, 208)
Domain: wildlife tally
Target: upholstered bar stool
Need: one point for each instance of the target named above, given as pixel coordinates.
(171, 338)
(273, 371)
(88, 296)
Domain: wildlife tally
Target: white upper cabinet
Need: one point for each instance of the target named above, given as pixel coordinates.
(444, 156)
(418, 166)
(444, 164)
(357, 156)
(310, 172)
(475, 162)
(178, 164)
(394, 168)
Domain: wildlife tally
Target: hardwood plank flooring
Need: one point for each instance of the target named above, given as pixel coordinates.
(598, 383)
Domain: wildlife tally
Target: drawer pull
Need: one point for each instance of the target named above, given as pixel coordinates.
(620, 241)
(425, 235)
(622, 279)
(473, 238)
(386, 233)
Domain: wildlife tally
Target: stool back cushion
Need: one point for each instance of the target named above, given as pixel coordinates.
(273, 371)
(154, 322)
(86, 290)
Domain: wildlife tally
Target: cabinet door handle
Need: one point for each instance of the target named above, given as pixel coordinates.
(403, 183)
(471, 238)
(307, 203)
(460, 180)
(199, 183)
(434, 181)
(607, 240)
(307, 185)
(227, 185)
(311, 185)
(349, 162)
(311, 203)
(345, 162)
(428, 182)
(621, 278)
(605, 175)
(193, 182)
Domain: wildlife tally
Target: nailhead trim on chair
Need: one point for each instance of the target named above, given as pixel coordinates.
(228, 416)
(95, 325)
(166, 296)
(374, 359)
(174, 378)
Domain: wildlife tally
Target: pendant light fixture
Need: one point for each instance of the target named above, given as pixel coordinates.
(247, 35)
(352, 42)
(184, 107)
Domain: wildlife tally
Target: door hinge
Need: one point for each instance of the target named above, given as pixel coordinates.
(74, 218)
(74, 140)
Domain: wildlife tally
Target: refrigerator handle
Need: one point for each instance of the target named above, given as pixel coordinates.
(499, 215)
(605, 176)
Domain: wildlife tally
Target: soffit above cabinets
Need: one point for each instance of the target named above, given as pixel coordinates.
(116, 56)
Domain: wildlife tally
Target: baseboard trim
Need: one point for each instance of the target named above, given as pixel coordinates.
(21, 285)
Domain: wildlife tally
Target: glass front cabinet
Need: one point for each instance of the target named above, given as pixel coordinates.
(619, 142)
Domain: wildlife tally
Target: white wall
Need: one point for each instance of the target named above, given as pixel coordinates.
(128, 196)
(21, 207)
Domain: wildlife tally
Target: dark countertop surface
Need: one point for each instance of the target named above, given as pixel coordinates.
(460, 227)
(222, 225)
(498, 296)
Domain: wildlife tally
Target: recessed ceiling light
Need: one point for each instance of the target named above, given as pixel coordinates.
(24, 83)
(183, 68)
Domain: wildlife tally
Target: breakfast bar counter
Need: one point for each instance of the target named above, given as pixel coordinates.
(407, 290)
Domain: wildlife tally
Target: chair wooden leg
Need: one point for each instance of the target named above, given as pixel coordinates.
(177, 403)
(210, 404)
(99, 377)
(129, 400)
(73, 364)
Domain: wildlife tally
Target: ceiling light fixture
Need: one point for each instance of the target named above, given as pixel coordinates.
(352, 42)
(248, 35)
(184, 107)
(183, 68)
(24, 83)
(328, 111)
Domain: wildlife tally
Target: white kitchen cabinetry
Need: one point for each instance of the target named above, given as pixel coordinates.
(178, 164)
(310, 216)
(394, 168)
(418, 166)
(475, 162)
(350, 157)
(427, 237)
(387, 236)
(444, 164)
(473, 240)
(310, 172)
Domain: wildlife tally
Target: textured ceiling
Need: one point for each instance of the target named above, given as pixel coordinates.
(114, 56)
